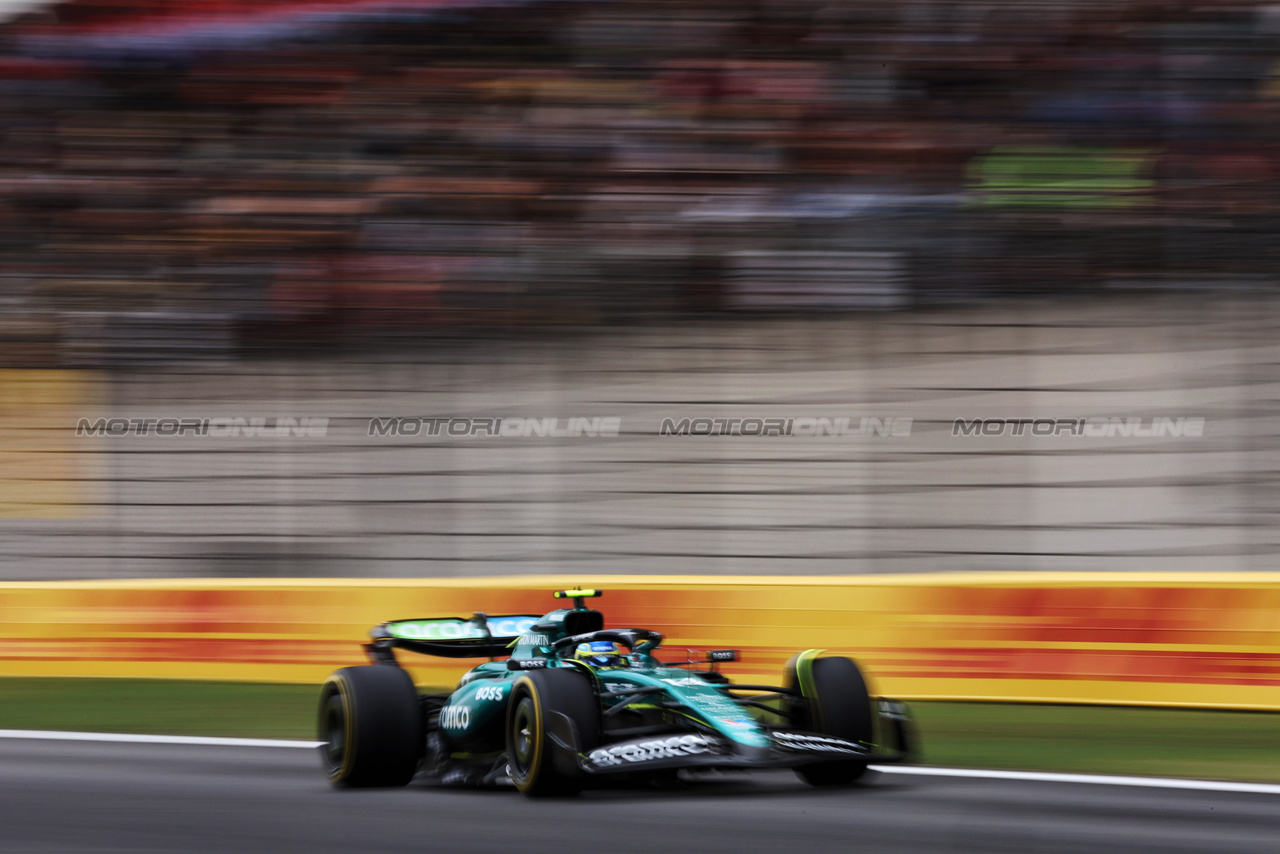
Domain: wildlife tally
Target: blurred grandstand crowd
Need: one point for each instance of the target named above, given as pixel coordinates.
(184, 177)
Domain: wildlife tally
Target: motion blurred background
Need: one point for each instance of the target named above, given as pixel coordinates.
(357, 209)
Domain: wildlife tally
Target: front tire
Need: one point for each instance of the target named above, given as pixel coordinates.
(539, 767)
(837, 704)
(370, 727)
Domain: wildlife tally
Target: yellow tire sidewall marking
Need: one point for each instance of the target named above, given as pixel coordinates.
(349, 728)
(808, 690)
(535, 764)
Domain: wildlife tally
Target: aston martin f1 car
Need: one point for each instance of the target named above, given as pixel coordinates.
(574, 703)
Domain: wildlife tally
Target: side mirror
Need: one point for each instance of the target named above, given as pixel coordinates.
(719, 656)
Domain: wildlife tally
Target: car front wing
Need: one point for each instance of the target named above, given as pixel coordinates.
(788, 748)
(696, 750)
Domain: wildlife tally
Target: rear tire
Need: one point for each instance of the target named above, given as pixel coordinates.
(539, 767)
(840, 707)
(370, 727)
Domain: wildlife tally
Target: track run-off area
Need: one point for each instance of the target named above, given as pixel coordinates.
(77, 792)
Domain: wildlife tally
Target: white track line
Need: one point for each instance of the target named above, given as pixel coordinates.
(1090, 779)
(130, 738)
(917, 770)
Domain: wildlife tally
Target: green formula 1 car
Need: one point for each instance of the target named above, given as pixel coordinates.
(574, 703)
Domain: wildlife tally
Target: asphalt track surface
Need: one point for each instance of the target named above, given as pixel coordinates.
(65, 796)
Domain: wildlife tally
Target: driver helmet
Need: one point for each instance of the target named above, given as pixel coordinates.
(600, 654)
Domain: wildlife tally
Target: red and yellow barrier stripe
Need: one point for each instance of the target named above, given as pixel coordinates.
(1187, 640)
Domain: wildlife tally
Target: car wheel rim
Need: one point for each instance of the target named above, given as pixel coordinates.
(522, 727)
(335, 730)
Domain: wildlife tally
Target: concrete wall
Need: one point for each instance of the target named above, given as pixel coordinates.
(348, 504)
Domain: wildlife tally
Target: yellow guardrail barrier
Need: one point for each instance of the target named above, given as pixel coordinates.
(1208, 640)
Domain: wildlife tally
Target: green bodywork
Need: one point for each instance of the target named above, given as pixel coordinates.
(471, 721)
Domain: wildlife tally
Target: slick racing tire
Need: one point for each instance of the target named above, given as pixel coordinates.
(370, 727)
(837, 704)
(539, 766)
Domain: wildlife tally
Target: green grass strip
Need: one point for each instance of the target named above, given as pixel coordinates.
(1079, 739)
(1141, 741)
(234, 709)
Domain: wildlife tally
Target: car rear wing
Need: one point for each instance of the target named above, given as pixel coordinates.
(481, 636)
